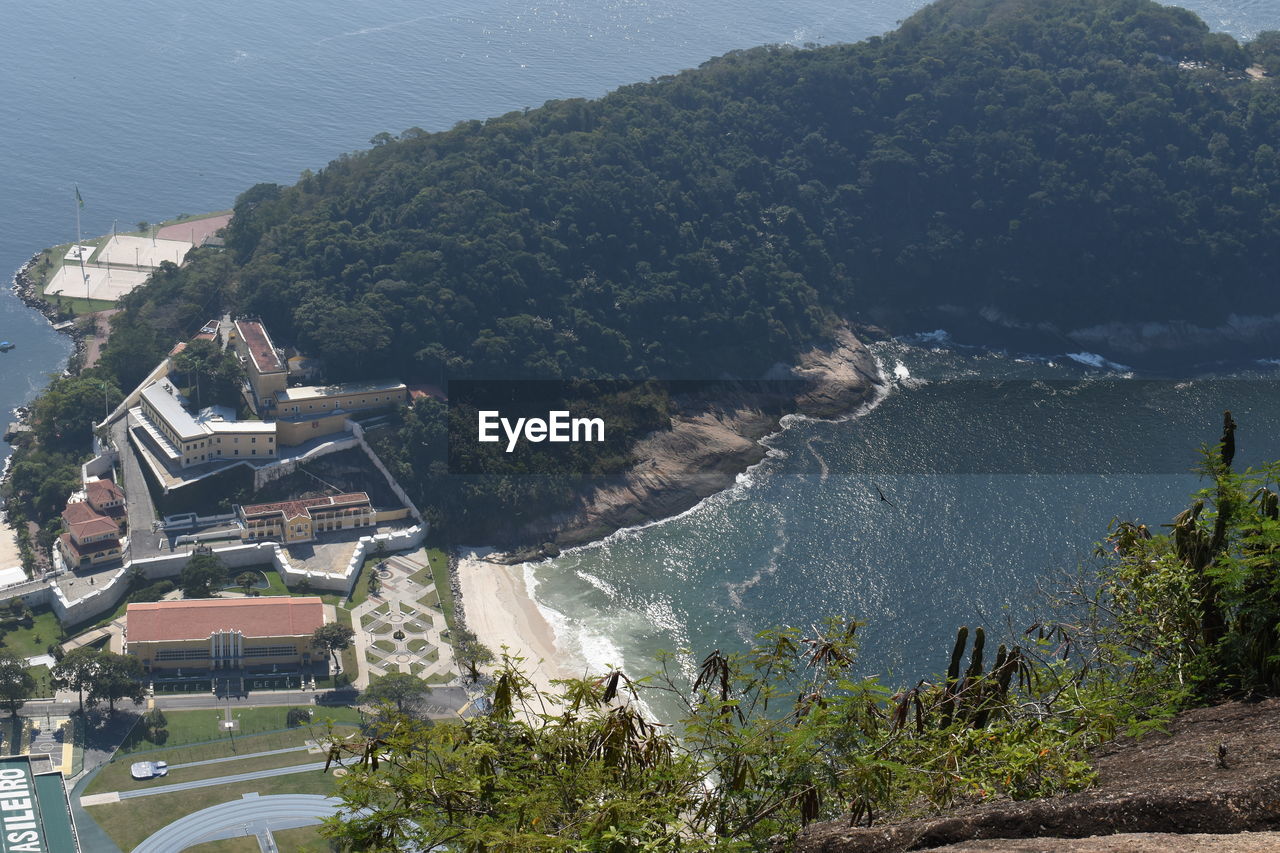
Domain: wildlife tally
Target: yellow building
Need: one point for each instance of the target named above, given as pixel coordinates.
(214, 434)
(301, 520)
(268, 374)
(224, 634)
(91, 538)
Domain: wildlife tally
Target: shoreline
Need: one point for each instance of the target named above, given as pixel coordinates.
(511, 619)
(845, 381)
(11, 537)
(711, 444)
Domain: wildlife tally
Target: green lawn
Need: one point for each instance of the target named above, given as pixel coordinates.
(131, 822)
(115, 775)
(304, 839)
(192, 727)
(79, 306)
(119, 779)
(360, 592)
(29, 642)
(440, 574)
(41, 675)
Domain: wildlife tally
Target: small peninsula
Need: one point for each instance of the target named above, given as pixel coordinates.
(245, 502)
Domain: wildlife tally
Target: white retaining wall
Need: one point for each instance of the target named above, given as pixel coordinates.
(284, 467)
(399, 540)
(358, 432)
(99, 466)
(109, 589)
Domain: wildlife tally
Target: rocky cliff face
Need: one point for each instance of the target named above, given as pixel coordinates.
(711, 441)
(1215, 773)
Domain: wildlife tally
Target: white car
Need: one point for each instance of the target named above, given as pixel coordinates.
(148, 769)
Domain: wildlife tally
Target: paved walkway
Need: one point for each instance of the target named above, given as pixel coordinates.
(215, 780)
(251, 815)
(242, 757)
(400, 606)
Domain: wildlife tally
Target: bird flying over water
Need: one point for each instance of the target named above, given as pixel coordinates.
(880, 492)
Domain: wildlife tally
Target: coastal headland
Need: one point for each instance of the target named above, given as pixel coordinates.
(712, 440)
(710, 444)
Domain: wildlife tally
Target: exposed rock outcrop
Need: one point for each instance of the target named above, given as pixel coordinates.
(1164, 785)
(712, 440)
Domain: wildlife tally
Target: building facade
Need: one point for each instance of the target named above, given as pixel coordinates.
(268, 374)
(91, 538)
(225, 634)
(301, 520)
(212, 435)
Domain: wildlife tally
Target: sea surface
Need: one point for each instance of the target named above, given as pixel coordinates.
(156, 108)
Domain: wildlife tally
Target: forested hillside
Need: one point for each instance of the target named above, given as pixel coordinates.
(1041, 160)
(1043, 164)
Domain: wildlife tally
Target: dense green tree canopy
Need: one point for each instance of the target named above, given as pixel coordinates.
(1043, 161)
(16, 684)
(203, 574)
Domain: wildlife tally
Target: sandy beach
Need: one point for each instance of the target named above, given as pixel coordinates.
(9, 554)
(501, 613)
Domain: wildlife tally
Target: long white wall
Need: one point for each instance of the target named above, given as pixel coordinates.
(109, 589)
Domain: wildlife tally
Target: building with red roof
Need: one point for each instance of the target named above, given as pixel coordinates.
(91, 538)
(225, 633)
(105, 496)
(301, 520)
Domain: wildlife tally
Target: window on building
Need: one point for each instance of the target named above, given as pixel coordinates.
(269, 651)
(182, 654)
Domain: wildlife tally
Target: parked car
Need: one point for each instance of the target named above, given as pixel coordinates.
(148, 769)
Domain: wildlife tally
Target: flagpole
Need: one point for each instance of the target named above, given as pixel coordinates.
(80, 249)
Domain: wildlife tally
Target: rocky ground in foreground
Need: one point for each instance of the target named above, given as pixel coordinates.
(1165, 792)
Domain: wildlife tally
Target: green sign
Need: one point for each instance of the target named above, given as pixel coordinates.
(20, 829)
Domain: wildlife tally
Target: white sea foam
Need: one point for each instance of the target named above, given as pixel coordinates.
(1090, 359)
(937, 336)
(599, 583)
(364, 31)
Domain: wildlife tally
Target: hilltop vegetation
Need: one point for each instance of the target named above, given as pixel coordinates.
(1040, 160)
(1043, 165)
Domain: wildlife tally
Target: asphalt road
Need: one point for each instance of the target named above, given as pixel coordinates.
(252, 815)
(143, 541)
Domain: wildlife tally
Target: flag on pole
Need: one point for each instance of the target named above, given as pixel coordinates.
(78, 198)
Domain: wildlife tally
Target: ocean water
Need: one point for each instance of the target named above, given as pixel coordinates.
(999, 475)
(156, 109)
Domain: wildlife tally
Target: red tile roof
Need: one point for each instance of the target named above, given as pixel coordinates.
(255, 337)
(274, 616)
(294, 509)
(83, 520)
(103, 491)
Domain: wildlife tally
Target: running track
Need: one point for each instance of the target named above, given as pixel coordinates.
(250, 815)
